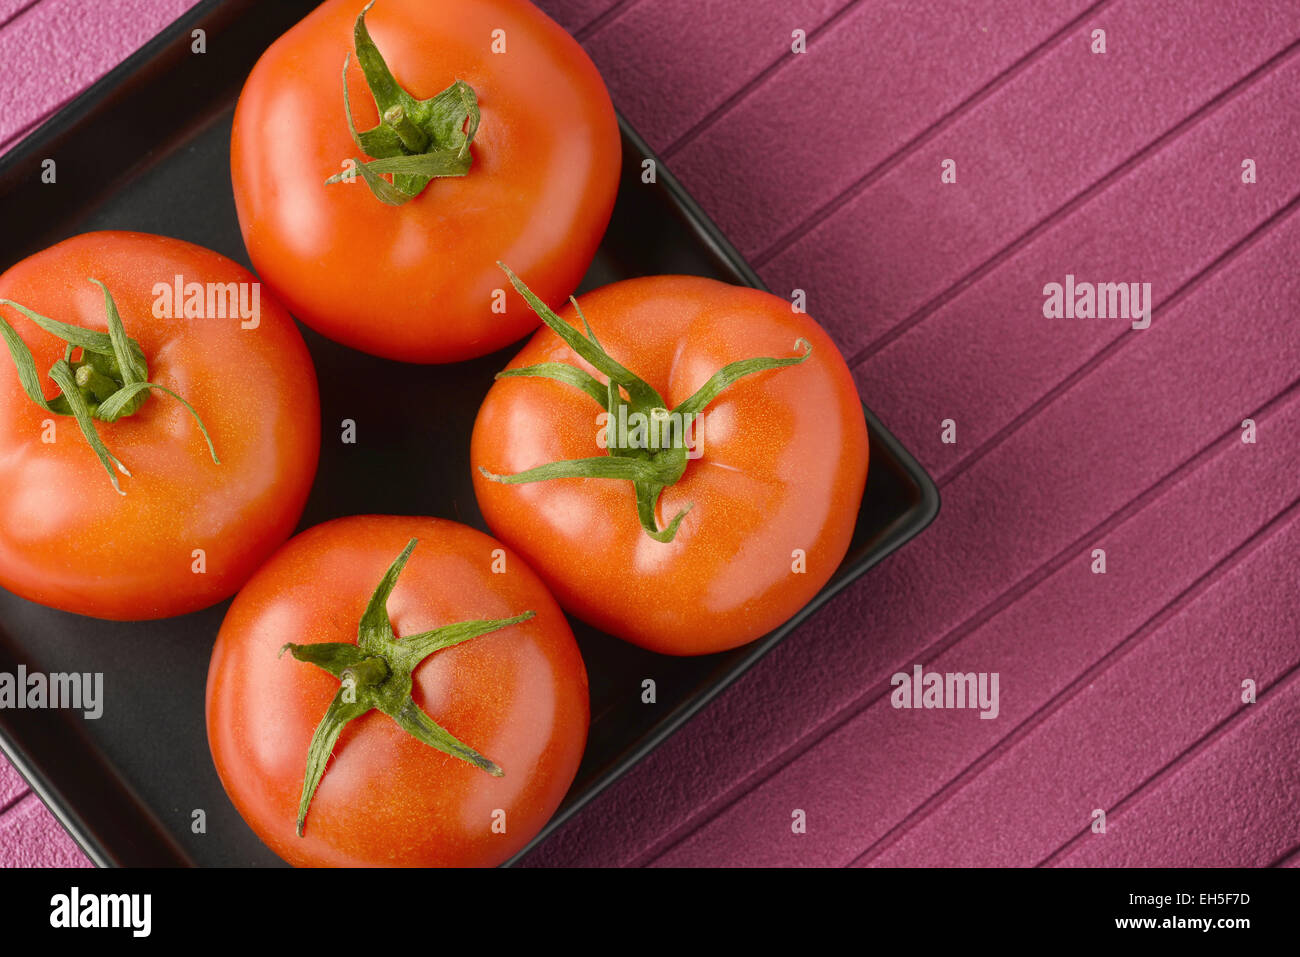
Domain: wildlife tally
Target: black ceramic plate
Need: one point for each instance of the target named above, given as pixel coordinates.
(147, 148)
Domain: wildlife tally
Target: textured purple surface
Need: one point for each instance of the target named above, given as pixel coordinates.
(1119, 692)
(76, 42)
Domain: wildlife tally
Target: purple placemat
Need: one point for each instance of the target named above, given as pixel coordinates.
(1120, 693)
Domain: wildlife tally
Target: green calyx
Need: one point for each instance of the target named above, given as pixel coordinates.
(376, 675)
(415, 140)
(108, 381)
(653, 454)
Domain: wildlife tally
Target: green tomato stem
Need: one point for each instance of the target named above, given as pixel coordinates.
(376, 674)
(95, 386)
(109, 382)
(651, 464)
(415, 141)
(412, 137)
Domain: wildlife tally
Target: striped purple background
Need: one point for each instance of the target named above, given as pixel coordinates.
(1119, 691)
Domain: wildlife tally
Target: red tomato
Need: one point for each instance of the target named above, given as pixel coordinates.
(185, 532)
(772, 487)
(418, 282)
(516, 695)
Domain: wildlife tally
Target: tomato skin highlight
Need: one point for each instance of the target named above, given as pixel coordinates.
(783, 468)
(518, 695)
(67, 539)
(417, 283)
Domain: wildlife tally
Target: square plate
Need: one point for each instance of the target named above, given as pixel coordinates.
(147, 148)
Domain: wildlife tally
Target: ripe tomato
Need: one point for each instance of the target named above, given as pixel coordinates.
(514, 698)
(766, 501)
(418, 282)
(183, 532)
